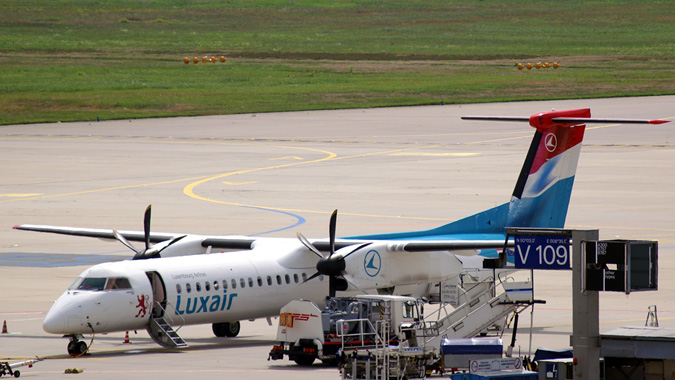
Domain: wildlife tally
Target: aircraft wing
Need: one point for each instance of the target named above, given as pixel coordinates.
(420, 245)
(455, 245)
(155, 237)
(245, 243)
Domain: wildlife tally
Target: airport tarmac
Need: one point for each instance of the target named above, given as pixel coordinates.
(386, 170)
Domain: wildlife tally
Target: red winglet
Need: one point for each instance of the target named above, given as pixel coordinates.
(658, 121)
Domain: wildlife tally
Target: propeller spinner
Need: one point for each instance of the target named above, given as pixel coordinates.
(332, 265)
(150, 252)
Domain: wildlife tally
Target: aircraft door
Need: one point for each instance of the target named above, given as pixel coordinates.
(158, 294)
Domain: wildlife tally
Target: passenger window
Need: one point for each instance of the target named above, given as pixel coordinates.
(269, 280)
(288, 279)
(188, 288)
(199, 287)
(295, 277)
(250, 282)
(178, 289)
(224, 284)
(90, 283)
(259, 281)
(278, 280)
(234, 284)
(242, 282)
(207, 286)
(215, 285)
(304, 276)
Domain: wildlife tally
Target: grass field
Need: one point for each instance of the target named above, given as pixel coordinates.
(79, 60)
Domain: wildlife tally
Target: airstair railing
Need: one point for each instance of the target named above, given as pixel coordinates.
(168, 316)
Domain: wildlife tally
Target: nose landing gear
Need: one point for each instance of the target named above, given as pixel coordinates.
(76, 347)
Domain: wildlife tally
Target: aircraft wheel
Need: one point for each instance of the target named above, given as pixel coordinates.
(232, 329)
(219, 329)
(77, 347)
(226, 329)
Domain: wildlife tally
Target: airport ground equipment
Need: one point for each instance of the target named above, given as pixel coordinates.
(458, 352)
(377, 328)
(307, 333)
(644, 352)
(8, 369)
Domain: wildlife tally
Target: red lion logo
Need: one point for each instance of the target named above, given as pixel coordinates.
(142, 305)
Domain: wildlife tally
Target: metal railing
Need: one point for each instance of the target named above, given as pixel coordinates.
(166, 315)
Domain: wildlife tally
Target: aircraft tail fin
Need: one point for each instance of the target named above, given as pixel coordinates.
(543, 190)
(542, 193)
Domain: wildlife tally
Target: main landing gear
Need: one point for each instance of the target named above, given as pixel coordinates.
(226, 329)
(76, 347)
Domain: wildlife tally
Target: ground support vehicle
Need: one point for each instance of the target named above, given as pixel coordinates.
(378, 330)
(8, 369)
(382, 360)
(307, 333)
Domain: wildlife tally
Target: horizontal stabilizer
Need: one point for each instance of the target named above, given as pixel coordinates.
(569, 120)
(497, 118)
(606, 120)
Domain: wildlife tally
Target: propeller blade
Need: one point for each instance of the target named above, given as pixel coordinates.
(174, 240)
(331, 232)
(146, 226)
(124, 241)
(357, 248)
(353, 283)
(331, 287)
(315, 275)
(309, 245)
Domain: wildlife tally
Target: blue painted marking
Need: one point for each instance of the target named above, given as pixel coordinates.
(300, 221)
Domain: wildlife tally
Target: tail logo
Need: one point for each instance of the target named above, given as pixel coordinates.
(551, 142)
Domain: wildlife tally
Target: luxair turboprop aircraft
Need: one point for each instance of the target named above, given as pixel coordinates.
(181, 281)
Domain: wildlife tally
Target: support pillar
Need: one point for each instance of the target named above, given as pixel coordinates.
(585, 309)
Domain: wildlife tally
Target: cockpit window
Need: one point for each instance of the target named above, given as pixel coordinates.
(117, 283)
(76, 283)
(101, 283)
(92, 283)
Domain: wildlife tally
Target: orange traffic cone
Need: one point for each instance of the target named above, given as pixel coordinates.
(4, 327)
(126, 338)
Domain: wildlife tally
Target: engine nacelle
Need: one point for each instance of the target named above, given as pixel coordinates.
(382, 265)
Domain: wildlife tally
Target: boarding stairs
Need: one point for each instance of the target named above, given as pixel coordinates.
(162, 333)
(480, 309)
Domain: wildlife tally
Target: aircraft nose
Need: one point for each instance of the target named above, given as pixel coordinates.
(55, 322)
(63, 309)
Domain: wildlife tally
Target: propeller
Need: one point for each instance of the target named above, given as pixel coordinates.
(150, 252)
(332, 265)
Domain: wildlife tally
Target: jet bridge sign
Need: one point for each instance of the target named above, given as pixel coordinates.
(542, 252)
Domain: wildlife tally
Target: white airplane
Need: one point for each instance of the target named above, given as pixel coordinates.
(181, 281)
